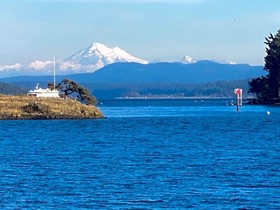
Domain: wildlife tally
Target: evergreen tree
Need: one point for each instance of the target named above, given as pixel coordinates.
(267, 87)
(70, 88)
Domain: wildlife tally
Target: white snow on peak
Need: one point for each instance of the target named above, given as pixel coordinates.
(231, 62)
(98, 55)
(225, 62)
(187, 59)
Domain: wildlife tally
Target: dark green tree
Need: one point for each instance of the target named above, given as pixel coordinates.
(267, 87)
(70, 88)
(260, 87)
(51, 86)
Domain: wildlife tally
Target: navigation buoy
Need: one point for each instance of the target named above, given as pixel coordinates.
(268, 112)
(238, 93)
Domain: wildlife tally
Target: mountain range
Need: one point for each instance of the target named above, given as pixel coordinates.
(202, 78)
(87, 60)
(164, 72)
(112, 72)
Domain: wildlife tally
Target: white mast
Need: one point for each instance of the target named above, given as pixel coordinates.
(54, 73)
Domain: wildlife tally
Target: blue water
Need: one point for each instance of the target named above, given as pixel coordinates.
(147, 154)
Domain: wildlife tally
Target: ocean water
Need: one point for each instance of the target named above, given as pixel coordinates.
(147, 154)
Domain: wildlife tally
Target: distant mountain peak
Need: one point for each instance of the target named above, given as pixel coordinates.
(231, 62)
(98, 55)
(187, 59)
(97, 47)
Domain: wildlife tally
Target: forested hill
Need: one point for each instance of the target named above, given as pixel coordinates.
(110, 91)
(199, 72)
(117, 73)
(209, 89)
(201, 79)
(10, 89)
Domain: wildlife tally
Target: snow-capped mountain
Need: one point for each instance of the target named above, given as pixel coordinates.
(89, 59)
(97, 56)
(187, 59)
(231, 62)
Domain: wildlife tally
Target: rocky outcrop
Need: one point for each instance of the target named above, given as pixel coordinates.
(28, 107)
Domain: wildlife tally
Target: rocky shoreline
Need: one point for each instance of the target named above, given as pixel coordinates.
(28, 107)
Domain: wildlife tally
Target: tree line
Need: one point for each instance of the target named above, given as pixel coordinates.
(210, 89)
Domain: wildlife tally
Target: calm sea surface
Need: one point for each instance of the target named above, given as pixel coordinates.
(147, 154)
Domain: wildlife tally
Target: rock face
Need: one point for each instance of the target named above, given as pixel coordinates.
(28, 107)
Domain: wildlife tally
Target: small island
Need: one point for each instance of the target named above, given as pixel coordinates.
(55, 102)
(28, 107)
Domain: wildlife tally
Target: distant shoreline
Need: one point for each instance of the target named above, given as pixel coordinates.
(163, 97)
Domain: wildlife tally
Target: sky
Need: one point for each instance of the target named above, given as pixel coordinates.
(154, 30)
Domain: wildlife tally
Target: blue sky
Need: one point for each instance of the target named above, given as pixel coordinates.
(167, 30)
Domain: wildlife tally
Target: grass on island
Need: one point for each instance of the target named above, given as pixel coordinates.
(28, 107)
